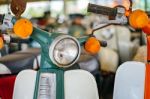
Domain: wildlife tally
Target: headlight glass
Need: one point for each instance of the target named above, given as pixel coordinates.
(65, 52)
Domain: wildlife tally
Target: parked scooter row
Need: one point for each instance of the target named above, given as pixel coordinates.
(61, 51)
(54, 60)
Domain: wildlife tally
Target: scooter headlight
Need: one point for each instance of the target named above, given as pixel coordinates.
(64, 51)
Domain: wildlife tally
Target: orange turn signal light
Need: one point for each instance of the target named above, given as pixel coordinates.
(146, 29)
(1, 43)
(138, 19)
(92, 45)
(23, 28)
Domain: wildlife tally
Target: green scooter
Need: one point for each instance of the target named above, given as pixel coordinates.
(59, 51)
(50, 81)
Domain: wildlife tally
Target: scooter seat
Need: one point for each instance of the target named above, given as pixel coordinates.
(19, 61)
(30, 50)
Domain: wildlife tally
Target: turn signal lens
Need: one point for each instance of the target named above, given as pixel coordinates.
(23, 28)
(146, 29)
(138, 19)
(1, 43)
(92, 45)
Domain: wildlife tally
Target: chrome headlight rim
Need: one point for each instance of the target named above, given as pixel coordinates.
(53, 45)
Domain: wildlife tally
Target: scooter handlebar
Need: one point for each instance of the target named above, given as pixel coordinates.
(11, 39)
(102, 10)
(18, 40)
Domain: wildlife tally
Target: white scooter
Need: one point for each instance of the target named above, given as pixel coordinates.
(133, 78)
(119, 40)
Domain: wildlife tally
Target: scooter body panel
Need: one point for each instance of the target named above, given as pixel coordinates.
(78, 84)
(108, 63)
(130, 81)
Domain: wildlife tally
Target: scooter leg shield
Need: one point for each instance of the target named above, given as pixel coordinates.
(80, 84)
(130, 81)
(25, 85)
